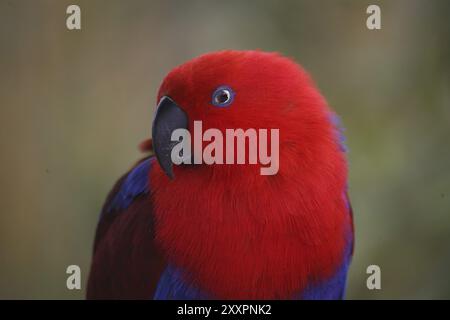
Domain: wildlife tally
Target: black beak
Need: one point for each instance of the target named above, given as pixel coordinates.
(169, 117)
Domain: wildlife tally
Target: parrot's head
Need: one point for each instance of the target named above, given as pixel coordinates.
(241, 233)
(243, 90)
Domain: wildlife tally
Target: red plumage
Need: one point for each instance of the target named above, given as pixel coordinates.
(237, 233)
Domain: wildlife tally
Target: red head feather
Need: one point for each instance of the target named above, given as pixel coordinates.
(236, 233)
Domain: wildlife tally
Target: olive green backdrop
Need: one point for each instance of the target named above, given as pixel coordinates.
(75, 104)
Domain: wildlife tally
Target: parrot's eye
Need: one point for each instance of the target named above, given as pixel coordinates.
(222, 97)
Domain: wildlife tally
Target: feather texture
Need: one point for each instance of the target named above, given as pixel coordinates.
(225, 231)
(126, 262)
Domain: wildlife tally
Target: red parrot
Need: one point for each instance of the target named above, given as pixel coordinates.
(225, 231)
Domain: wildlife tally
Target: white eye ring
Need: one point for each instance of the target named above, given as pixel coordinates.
(222, 97)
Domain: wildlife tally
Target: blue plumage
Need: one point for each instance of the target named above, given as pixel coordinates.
(334, 287)
(172, 286)
(135, 184)
(341, 139)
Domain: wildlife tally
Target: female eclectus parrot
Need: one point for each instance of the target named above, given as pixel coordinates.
(224, 231)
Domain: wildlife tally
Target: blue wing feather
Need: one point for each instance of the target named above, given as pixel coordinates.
(173, 286)
(135, 184)
(332, 288)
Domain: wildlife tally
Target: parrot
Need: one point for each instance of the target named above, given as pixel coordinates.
(171, 231)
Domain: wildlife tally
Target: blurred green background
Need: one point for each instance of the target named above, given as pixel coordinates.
(75, 105)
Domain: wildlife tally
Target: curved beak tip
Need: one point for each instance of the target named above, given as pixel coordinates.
(169, 117)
